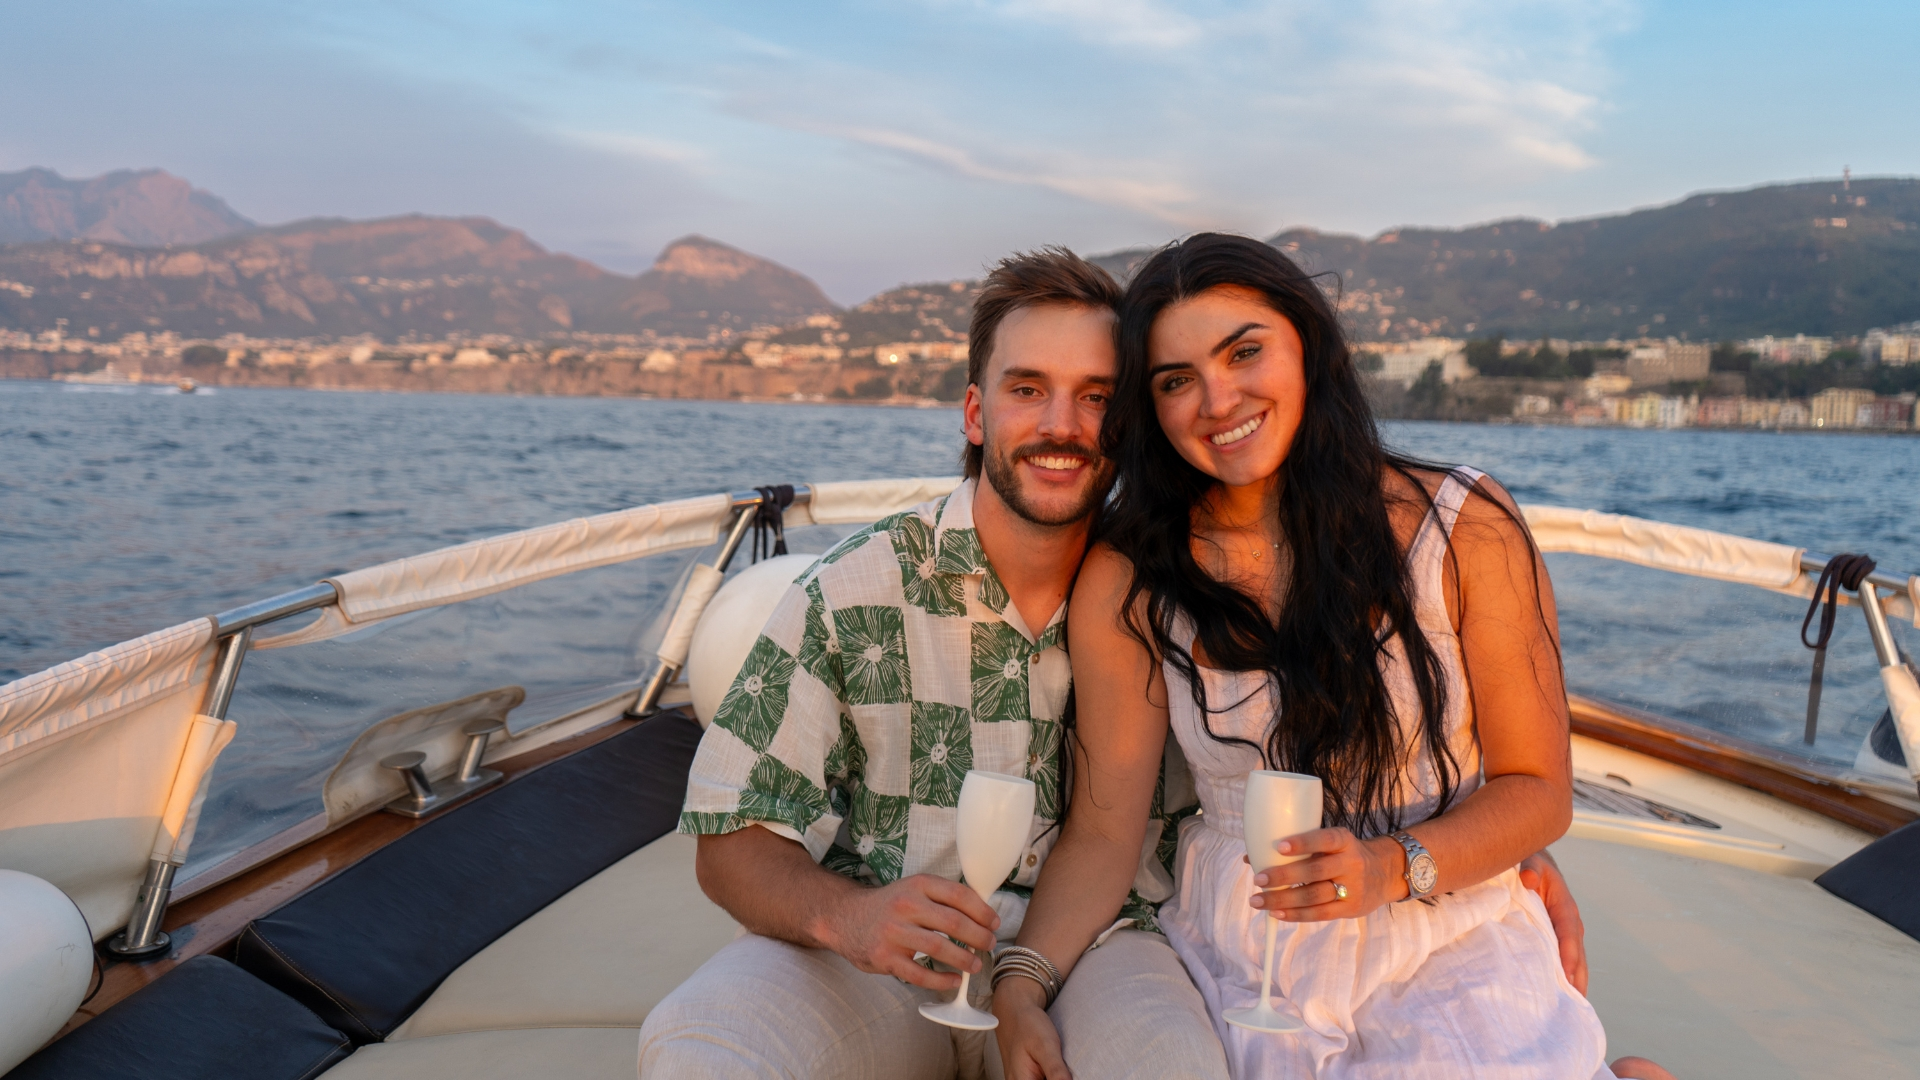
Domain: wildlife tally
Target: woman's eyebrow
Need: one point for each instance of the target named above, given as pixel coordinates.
(1233, 337)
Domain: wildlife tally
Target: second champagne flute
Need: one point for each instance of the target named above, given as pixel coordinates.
(995, 819)
(1279, 805)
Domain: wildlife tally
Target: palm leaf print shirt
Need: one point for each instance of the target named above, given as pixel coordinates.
(892, 666)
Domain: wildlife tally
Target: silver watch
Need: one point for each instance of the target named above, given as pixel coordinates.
(1422, 872)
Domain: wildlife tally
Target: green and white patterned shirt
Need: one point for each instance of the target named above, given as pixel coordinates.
(892, 666)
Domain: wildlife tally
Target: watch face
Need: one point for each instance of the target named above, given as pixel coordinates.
(1422, 874)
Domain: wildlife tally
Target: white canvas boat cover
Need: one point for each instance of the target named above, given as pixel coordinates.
(1685, 550)
(102, 766)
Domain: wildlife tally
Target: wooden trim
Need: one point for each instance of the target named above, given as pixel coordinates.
(1801, 787)
(210, 921)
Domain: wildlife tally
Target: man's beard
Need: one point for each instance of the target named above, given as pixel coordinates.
(1005, 477)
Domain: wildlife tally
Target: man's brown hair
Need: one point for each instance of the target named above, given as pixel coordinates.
(1052, 275)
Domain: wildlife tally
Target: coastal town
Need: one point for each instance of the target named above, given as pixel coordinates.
(1644, 383)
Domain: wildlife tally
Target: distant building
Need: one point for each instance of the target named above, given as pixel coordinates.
(1793, 414)
(1661, 362)
(1532, 405)
(1889, 412)
(1673, 412)
(1799, 349)
(1606, 384)
(661, 361)
(1759, 412)
(1837, 407)
(1882, 347)
(901, 352)
(1405, 361)
(474, 358)
(1719, 412)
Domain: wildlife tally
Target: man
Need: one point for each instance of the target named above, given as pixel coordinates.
(824, 794)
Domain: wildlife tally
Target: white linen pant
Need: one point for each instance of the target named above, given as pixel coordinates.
(765, 1008)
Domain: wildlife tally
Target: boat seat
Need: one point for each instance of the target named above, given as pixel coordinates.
(365, 949)
(205, 1018)
(572, 1054)
(601, 956)
(1719, 970)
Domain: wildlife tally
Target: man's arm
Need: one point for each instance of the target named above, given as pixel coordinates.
(1540, 873)
(774, 888)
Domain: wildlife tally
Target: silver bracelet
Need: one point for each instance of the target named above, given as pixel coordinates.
(1029, 964)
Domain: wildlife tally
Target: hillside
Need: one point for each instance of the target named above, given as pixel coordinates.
(1813, 258)
(397, 276)
(148, 207)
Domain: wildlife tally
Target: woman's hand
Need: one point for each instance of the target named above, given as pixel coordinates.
(1310, 890)
(1029, 1043)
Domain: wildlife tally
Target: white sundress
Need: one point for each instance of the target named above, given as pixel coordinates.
(1467, 986)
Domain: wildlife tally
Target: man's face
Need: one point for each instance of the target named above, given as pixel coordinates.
(1036, 413)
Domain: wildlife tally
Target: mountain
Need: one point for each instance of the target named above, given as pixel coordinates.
(148, 207)
(391, 277)
(1825, 257)
(697, 282)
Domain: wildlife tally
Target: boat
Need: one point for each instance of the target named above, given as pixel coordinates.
(106, 376)
(473, 888)
(185, 385)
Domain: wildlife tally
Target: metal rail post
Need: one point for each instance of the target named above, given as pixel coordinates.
(747, 506)
(143, 937)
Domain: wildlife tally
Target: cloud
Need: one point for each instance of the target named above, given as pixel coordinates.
(1113, 22)
(1105, 185)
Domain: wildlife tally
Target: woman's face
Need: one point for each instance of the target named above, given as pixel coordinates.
(1229, 383)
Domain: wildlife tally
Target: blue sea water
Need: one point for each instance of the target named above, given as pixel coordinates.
(126, 510)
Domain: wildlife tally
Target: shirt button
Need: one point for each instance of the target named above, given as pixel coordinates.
(1032, 859)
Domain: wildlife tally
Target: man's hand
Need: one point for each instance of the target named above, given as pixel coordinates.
(1540, 873)
(879, 930)
(1029, 1042)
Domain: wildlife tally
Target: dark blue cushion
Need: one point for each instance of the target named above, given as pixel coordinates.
(1882, 878)
(205, 1018)
(366, 948)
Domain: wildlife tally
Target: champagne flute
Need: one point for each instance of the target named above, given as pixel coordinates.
(1279, 805)
(996, 817)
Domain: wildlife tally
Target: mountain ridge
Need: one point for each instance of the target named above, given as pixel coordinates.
(145, 207)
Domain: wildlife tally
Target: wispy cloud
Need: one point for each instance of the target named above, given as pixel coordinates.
(1103, 184)
(1115, 22)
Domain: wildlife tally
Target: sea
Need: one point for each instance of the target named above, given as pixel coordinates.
(127, 509)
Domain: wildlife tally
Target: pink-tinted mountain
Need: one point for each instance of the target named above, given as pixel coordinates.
(390, 277)
(145, 207)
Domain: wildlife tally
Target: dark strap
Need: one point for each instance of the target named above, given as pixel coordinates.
(769, 521)
(1841, 572)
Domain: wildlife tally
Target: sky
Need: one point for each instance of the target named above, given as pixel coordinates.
(868, 143)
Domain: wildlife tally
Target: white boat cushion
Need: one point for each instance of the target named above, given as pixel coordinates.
(1718, 970)
(601, 956)
(576, 1053)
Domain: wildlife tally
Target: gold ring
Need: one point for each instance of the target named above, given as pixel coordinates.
(1339, 891)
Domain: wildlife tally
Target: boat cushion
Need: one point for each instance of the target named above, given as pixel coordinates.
(601, 956)
(364, 949)
(1719, 970)
(1882, 878)
(204, 1018)
(577, 1054)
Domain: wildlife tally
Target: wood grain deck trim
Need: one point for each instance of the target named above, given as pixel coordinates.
(1805, 789)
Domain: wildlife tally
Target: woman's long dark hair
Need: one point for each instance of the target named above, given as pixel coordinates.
(1348, 595)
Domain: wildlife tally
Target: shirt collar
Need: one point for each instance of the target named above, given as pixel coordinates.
(957, 550)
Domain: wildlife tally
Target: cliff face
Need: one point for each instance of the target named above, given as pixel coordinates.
(148, 208)
(405, 275)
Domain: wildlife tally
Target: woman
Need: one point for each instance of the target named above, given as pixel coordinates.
(1279, 591)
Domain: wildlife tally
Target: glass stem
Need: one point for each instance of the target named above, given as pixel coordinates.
(1266, 984)
(961, 997)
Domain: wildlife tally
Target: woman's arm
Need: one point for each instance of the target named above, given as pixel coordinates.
(1502, 604)
(1121, 729)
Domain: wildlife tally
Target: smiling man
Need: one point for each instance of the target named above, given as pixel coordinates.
(825, 793)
